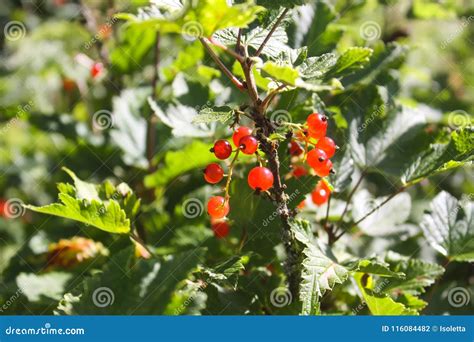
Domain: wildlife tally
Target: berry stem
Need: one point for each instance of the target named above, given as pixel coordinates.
(229, 175)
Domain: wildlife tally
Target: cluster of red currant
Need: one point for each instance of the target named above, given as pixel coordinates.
(259, 178)
(318, 158)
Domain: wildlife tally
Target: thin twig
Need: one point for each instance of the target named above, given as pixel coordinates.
(327, 212)
(267, 38)
(238, 45)
(231, 52)
(266, 101)
(221, 65)
(359, 182)
(372, 211)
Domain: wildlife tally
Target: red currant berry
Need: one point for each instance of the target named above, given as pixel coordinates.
(222, 149)
(218, 207)
(325, 169)
(295, 148)
(248, 144)
(316, 158)
(260, 178)
(317, 125)
(213, 173)
(239, 133)
(299, 171)
(327, 145)
(320, 195)
(220, 229)
(96, 69)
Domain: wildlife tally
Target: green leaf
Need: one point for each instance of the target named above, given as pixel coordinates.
(379, 304)
(352, 59)
(320, 273)
(179, 118)
(449, 227)
(418, 274)
(134, 45)
(129, 126)
(320, 37)
(82, 203)
(317, 67)
(384, 57)
(424, 9)
(344, 164)
(196, 154)
(282, 73)
(196, 18)
(374, 266)
(212, 114)
(441, 156)
(374, 138)
(186, 61)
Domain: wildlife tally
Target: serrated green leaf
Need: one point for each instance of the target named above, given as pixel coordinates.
(197, 18)
(317, 67)
(441, 156)
(449, 227)
(352, 59)
(344, 164)
(374, 266)
(82, 203)
(282, 73)
(419, 274)
(320, 273)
